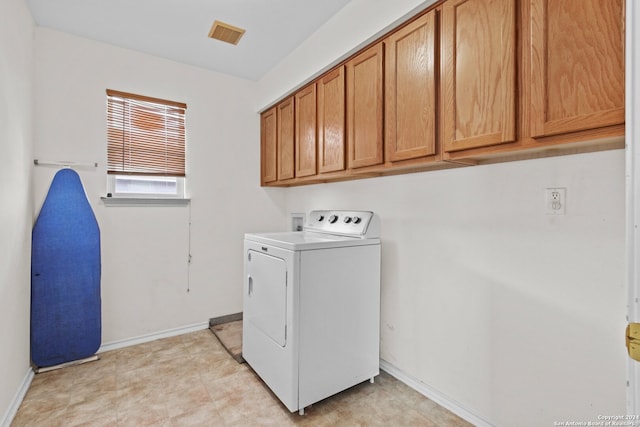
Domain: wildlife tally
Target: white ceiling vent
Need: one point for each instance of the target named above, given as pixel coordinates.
(225, 32)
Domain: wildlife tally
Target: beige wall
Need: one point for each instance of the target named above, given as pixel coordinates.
(145, 275)
(489, 301)
(16, 88)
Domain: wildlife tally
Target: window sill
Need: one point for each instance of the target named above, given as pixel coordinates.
(144, 201)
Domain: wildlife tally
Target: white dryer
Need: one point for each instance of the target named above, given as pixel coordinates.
(311, 321)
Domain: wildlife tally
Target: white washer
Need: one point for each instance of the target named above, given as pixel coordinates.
(311, 321)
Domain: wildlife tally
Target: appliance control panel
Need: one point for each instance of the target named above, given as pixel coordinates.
(363, 224)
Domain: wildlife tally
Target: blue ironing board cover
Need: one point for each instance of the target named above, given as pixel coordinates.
(65, 276)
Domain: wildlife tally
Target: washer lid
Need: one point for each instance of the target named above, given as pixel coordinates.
(306, 240)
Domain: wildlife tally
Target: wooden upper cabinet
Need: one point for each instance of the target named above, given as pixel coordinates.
(268, 146)
(306, 131)
(285, 145)
(465, 82)
(478, 73)
(410, 90)
(331, 122)
(577, 65)
(365, 103)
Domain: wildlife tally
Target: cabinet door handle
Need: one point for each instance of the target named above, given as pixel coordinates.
(250, 285)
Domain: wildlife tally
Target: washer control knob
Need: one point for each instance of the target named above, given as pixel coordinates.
(347, 219)
(356, 220)
(320, 218)
(333, 218)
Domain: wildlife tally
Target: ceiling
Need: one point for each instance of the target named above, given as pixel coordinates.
(178, 29)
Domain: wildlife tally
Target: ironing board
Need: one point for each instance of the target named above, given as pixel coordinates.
(65, 276)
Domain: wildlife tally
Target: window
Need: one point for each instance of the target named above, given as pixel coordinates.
(145, 146)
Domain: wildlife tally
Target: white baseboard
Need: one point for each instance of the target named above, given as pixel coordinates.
(7, 419)
(433, 394)
(154, 336)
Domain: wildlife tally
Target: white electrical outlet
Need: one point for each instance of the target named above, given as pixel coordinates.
(297, 221)
(556, 201)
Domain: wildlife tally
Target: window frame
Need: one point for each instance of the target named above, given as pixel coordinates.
(112, 187)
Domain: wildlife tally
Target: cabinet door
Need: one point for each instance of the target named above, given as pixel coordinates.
(577, 65)
(331, 120)
(410, 90)
(285, 115)
(268, 145)
(306, 131)
(478, 73)
(365, 108)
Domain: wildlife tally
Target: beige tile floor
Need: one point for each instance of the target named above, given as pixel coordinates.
(191, 380)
